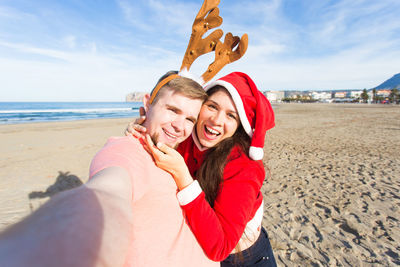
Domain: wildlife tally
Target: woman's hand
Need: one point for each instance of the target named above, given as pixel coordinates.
(171, 161)
(135, 128)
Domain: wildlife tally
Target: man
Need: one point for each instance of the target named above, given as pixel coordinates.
(127, 213)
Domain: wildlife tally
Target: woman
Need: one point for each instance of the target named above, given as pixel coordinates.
(219, 186)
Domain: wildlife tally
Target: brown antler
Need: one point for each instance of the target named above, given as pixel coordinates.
(224, 54)
(207, 18)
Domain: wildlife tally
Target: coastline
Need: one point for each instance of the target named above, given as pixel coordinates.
(332, 197)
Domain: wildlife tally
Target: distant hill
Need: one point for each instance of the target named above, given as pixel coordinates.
(135, 97)
(393, 82)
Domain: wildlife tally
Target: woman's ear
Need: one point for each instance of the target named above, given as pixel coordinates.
(146, 102)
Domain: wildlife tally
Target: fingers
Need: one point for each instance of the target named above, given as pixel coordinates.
(139, 128)
(135, 130)
(153, 149)
(164, 148)
(149, 142)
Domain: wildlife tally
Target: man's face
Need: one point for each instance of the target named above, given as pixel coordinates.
(171, 119)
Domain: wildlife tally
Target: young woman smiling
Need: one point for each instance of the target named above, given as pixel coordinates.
(219, 172)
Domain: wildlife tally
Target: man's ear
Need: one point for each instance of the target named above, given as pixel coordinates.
(146, 102)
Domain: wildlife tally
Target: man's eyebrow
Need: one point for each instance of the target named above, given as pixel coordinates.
(173, 108)
(179, 111)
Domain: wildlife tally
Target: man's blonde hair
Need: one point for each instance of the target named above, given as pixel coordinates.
(181, 85)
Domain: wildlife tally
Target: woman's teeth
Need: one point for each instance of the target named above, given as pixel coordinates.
(211, 131)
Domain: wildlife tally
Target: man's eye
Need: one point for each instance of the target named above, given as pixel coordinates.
(191, 121)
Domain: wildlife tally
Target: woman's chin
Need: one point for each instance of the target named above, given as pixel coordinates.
(207, 143)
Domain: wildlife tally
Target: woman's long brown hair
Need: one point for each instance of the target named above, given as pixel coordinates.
(211, 171)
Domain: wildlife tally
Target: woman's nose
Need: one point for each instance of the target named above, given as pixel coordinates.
(217, 118)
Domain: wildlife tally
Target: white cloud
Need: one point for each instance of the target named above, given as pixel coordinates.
(70, 41)
(78, 76)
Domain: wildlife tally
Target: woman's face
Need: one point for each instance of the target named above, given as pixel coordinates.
(218, 119)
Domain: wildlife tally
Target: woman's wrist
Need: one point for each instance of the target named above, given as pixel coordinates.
(183, 180)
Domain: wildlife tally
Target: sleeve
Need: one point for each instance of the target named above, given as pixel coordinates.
(219, 229)
(122, 152)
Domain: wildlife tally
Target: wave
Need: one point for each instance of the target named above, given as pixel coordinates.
(86, 110)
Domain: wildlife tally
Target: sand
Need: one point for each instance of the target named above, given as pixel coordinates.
(332, 199)
(37, 156)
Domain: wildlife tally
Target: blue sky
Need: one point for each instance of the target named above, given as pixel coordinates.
(74, 50)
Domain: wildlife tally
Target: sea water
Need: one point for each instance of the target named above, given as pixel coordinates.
(28, 112)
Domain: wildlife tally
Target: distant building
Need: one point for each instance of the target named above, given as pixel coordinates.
(135, 97)
(274, 96)
(294, 94)
(383, 93)
(355, 94)
(340, 94)
(325, 96)
(321, 96)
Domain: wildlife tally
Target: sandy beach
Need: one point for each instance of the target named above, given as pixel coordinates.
(332, 197)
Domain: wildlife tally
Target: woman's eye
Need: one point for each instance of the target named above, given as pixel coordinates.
(232, 116)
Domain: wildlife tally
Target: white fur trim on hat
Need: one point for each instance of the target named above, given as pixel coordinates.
(185, 73)
(256, 153)
(238, 103)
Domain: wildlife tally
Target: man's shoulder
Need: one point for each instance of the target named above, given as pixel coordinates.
(126, 152)
(124, 144)
(122, 140)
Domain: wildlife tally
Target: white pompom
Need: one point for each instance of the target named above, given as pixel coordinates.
(256, 153)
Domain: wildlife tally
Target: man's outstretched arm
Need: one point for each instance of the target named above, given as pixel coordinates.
(86, 226)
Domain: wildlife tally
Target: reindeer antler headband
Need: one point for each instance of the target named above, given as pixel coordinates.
(208, 18)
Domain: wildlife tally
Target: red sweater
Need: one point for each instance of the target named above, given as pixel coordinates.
(219, 229)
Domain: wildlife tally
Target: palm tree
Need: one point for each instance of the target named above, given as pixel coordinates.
(394, 95)
(365, 96)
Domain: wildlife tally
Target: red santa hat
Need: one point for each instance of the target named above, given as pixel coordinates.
(255, 111)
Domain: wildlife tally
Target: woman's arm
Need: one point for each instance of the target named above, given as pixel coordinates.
(218, 229)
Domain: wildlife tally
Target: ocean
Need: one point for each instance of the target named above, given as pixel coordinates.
(28, 112)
